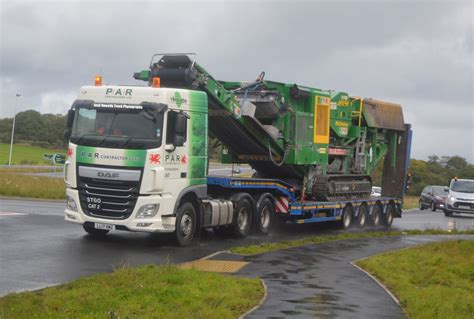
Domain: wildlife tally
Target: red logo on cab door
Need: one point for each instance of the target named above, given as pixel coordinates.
(155, 158)
(184, 159)
(69, 152)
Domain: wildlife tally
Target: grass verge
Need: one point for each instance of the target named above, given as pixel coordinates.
(267, 247)
(144, 292)
(21, 185)
(26, 154)
(410, 202)
(431, 281)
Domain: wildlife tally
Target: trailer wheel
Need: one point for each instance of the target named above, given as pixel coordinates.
(377, 215)
(347, 216)
(185, 224)
(388, 220)
(98, 233)
(265, 215)
(363, 215)
(242, 217)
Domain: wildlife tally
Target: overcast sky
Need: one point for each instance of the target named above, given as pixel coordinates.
(416, 53)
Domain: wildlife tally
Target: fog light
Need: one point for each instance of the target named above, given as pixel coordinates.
(148, 210)
(143, 224)
(70, 216)
(71, 203)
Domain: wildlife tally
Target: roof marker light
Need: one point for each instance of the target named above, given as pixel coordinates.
(98, 80)
(156, 82)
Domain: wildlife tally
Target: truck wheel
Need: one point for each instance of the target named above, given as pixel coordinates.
(99, 233)
(447, 213)
(265, 215)
(420, 205)
(433, 206)
(242, 217)
(362, 217)
(377, 215)
(388, 219)
(347, 216)
(185, 224)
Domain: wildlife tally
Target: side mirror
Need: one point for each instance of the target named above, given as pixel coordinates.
(70, 118)
(178, 140)
(67, 135)
(180, 130)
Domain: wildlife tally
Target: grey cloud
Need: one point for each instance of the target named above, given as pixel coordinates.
(415, 53)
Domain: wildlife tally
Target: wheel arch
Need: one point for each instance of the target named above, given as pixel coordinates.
(192, 194)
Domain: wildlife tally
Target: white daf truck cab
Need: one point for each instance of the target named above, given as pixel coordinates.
(134, 154)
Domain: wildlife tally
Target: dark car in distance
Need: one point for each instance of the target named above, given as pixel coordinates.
(433, 197)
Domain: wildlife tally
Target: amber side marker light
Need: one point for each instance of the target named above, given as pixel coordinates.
(98, 80)
(156, 82)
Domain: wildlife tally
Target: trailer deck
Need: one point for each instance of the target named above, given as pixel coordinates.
(297, 211)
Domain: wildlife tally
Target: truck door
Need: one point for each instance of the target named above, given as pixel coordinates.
(176, 147)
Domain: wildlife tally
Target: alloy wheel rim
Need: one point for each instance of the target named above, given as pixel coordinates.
(242, 219)
(347, 219)
(362, 218)
(186, 225)
(265, 217)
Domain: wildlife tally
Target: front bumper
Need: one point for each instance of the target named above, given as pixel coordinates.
(453, 209)
(155, 224)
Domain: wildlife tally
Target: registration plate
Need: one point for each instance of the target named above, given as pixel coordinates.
(104, 226)
(464, 207)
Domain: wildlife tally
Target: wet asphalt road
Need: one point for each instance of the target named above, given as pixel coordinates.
(318, 281)
(38, 248)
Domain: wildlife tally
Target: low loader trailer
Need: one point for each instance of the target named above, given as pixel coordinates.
(138, 155)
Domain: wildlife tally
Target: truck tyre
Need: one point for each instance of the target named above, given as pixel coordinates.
(433, 206)
(388, 219)
(447, 213)
(185, 224)
(98, 233)
(362, 217)
(347, 217)
(242, 222)
(377, 215)
(420, 205)
(265, 215)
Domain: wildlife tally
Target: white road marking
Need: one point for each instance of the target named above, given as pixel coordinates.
(11, 214)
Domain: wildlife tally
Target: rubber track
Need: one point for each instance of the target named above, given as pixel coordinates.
(319, 190)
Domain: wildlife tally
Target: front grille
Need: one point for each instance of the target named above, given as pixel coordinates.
(464, 204)
(108, 199)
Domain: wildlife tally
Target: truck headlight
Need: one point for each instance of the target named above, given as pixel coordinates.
(71, 203)
(148, 210)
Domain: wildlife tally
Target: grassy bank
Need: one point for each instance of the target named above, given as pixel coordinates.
(21, 185)
(431, 281)
(267, 247)
(26, 154)
(144, 292)
(410, 202)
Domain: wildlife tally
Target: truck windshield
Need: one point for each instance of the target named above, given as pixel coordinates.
(112, 127)
(463, 186)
